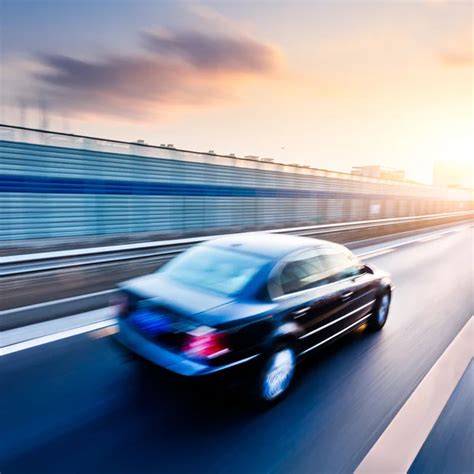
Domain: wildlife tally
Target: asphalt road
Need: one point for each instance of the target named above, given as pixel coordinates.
(77, 406)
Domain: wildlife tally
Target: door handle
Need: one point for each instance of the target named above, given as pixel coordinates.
(301, 312)
(346, 295)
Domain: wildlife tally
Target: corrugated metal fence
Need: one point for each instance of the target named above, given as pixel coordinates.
(58, 185)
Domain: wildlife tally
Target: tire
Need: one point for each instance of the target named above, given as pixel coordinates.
(275, 377)
(379, 317)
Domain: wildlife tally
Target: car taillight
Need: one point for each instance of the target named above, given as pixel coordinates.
(205, 342)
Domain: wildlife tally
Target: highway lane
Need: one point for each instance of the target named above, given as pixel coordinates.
(75, 405)
(449, 446)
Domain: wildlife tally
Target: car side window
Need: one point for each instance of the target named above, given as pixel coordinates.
(304, 271)
(342, 264)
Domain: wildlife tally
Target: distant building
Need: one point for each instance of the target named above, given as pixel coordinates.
(380, 172)
(453, 174)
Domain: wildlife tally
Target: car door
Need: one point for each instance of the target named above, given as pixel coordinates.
(308, 296)
(354, 285)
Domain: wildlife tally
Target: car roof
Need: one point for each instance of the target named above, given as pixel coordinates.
(266, 244)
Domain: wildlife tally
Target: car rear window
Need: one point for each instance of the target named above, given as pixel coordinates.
(216, 269)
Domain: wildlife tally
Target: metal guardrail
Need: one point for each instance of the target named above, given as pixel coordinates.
(16, 265)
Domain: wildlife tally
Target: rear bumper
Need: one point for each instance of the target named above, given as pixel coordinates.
(169, 360)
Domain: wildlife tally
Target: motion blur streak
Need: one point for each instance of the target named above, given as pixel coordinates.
(75, 403)
(54, 337)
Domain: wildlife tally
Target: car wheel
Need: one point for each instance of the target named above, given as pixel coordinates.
(276, 374)
(380, 314)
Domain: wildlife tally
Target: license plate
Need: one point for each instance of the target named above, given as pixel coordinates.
(149, 322)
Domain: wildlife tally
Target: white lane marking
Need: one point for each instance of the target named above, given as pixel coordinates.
(436, 235)
(49, 303)
(429, 238)
(397, 447)
(34, 331)
(400, 235)
(39, 341)
(400, 244)
(377, 253)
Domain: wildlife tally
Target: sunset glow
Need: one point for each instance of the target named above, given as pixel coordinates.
(329, 84)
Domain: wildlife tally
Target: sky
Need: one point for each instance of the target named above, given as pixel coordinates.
(331, 84)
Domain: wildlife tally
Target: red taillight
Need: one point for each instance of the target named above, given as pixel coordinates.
(208, 344)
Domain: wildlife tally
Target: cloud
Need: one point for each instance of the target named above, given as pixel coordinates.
(219, 53)
(457, 58)
(173, 70)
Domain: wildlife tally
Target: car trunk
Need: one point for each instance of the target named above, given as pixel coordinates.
(164, 311)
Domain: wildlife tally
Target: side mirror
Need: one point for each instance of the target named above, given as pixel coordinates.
(367, 269)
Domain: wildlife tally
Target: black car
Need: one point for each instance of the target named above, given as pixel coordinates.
(257, 301)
